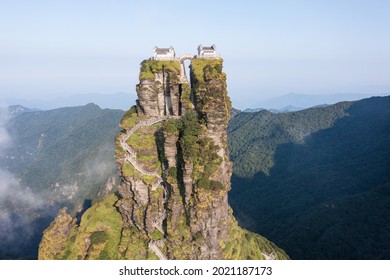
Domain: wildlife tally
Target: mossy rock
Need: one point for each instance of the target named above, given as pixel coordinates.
(157, 235)
(149, 67)
(205, 69)
(246, 245)
(130, 118)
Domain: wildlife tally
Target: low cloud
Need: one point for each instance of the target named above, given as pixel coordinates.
(19, 208)
(12, 193)
(23, 216)
(18, 204)
(100, 167)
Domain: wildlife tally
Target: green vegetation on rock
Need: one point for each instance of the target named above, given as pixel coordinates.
(196, 148)
(246, 245)
(128, 170)
(143, 141)
(207, 69)
(199, 150)
(210, 90)
(133, 245)
(149, 67)
(156, 235)
(172, 127)
(97, 236)
(185, 98)
(130, 118)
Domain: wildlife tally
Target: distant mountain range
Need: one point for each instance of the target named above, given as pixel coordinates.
(286, 103)
(119, 100)
(295, 102)
(288, 108)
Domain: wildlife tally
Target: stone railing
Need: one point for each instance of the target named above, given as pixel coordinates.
(131, 154)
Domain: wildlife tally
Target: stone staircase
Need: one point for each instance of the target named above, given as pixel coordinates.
(156, 250)
(131, 154)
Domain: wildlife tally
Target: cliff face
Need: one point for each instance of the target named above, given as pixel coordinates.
(174, 163)
(181, 203)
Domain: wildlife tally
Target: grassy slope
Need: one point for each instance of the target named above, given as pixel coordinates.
(97, 236)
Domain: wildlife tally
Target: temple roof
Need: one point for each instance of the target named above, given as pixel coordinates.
(163, 50)
(211, 48)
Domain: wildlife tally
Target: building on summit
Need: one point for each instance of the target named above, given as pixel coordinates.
(170, 54)
(164, 53)
(207, 52)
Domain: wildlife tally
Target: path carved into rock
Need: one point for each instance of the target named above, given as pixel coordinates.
(269, 257)
(131, 155)
(156, 250)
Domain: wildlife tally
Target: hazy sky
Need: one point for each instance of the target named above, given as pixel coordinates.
(270, 48)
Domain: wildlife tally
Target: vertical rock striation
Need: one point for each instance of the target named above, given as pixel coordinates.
(188, 213)
(174, 163)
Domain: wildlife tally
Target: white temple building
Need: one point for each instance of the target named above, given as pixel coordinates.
(164, 53)
(207, 52)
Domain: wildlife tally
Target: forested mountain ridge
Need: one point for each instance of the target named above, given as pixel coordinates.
(261, 132)
(316, 182)
(48, 160)
(58, 146)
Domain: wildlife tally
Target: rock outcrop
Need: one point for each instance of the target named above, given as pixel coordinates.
(174, 163)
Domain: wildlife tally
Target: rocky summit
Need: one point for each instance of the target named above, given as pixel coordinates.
(173, 160)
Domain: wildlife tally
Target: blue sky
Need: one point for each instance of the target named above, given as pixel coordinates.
(270, 48)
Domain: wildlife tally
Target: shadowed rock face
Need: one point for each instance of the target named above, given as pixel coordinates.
(174, 164)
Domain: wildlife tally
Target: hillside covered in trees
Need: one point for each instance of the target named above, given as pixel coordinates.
(316, 182)
(52, 159)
